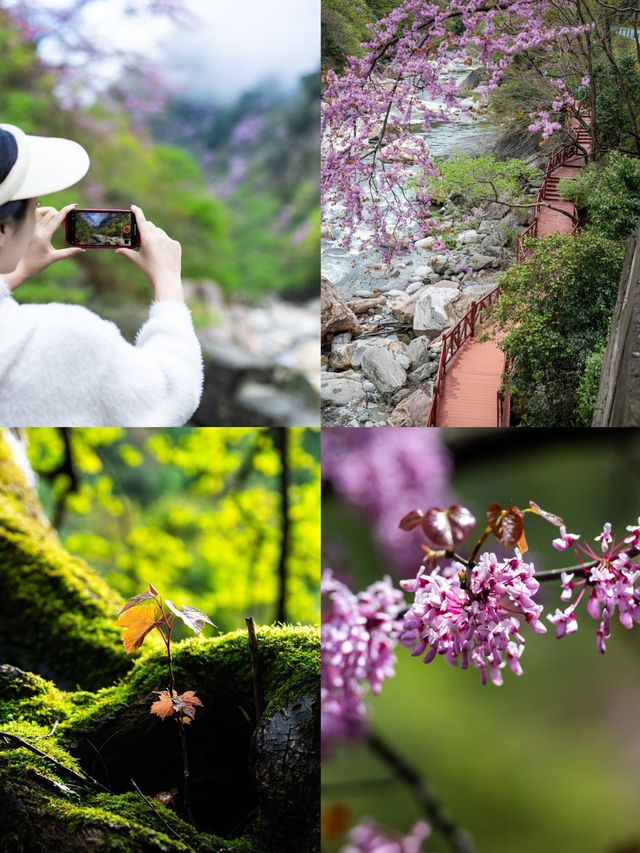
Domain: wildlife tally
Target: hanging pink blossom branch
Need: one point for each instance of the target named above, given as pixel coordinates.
(371, 109)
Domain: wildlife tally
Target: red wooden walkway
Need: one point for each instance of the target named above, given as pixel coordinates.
(467, 388)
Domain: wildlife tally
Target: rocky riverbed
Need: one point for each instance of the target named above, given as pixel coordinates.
(382, 324)
(382, 327)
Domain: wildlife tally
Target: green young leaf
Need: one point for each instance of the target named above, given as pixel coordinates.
(192, 618)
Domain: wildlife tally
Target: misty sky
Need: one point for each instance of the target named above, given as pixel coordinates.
(233, 46)
(241, 43)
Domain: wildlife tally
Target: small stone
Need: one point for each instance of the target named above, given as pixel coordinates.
(412, 411)
(425, 243)
(418, 352)
(414, 287)
(467, 238)
(363, 294)
(434, 311)
(337, 391)
(423, 271)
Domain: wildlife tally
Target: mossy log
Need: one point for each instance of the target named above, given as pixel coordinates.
(79, 768)
(255, 784)
(56, 613)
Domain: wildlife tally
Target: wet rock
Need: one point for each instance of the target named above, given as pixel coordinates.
(381, 368)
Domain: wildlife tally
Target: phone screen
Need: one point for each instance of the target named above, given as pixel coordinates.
(102, 229)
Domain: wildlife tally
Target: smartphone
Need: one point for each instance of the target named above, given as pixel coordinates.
(102, 229)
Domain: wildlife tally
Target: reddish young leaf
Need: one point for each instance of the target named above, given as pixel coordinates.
(188, 702)
(448, 528)
(411, 519)
(507, 525)
(184, 705)
(192, 618)
(152, 592)
(163, 707)
(548, 516)
(137, 623)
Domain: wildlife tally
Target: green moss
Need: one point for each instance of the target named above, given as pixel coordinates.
(56, 615)
(289, 669)
(29, 697)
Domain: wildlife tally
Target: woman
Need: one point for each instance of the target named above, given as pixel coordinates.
(61, 365)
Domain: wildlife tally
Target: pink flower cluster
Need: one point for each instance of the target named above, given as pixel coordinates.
(610, 577)
(371, 838)
(359, 635)
(478, 625)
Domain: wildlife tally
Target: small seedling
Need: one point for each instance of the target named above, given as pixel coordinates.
(139, 617)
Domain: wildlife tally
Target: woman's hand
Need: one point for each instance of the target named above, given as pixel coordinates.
(159, 258)
(40, 253)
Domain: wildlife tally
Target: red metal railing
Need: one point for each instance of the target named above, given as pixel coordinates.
(465, 328)
(452, 341)
(571, 149)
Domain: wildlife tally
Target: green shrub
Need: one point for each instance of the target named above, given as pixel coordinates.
(614, 121)
(471, 182)
(556, 307)
(587, 394)
(607, 194)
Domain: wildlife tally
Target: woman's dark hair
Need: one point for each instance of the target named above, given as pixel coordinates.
(8, 155)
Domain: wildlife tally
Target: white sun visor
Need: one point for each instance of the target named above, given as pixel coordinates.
(44, 165)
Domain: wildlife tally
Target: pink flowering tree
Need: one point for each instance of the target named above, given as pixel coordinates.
(65, 35)
(402, 80)
(472, 607)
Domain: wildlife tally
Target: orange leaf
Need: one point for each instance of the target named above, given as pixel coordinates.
(335, 820)
(163, 707)
(137, 622)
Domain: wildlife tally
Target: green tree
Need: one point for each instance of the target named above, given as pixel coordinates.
(556, 308)
(196, 511)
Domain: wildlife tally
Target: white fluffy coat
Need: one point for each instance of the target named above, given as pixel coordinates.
(62, 365)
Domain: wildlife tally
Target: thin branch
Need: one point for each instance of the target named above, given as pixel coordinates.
(157, 813)
(186, 772)
(425, 796)
(554, 574)
(85, 780)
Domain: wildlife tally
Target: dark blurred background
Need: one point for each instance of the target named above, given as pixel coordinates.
(551, 760)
